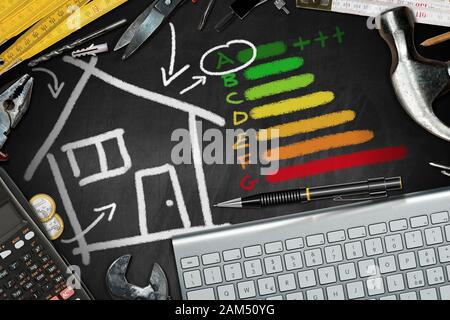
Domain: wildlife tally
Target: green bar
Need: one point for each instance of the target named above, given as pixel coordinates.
(273, 68)
(264, 51)
(279, 86)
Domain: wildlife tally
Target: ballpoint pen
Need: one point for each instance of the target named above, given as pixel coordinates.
(374, 188)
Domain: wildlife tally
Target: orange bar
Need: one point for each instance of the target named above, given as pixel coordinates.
(324, 143)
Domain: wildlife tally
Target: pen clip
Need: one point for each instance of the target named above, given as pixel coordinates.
(372, 196)
(445, 169)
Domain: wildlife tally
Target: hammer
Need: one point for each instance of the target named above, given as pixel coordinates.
(417, 81)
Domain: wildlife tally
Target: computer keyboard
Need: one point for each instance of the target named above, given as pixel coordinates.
(395, 249)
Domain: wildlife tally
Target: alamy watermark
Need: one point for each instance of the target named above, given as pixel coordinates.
(234, 146)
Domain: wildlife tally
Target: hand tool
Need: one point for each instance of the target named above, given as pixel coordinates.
(55, 27)
(14, 102)
(240, 9)
(375, 188)
(436, 40)
(445, 169)
(206, 14)
(146, 25)
(77, 43)
(435, 12)
(120, 288)
(281, 5)
(417, 81)
(92, 50)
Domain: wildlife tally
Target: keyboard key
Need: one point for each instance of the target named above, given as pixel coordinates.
(435, 276)
(393, 243)
(335, 293)
(444, 254)
(266, 286)
(391, 297)
(253, 268)
(336, 236)
(316, 294)
(408, 296)
(355, 233)
(26, 257)
(333, 254)
(294, 244)
(273, 264)
(387, 264)
(353, 250)
(407, 260)
(433, 236)
(52, 269)
(16, 294)
(313, 257)
(445, 292)
(428, 294)
(67, 293)
(252, 251)
(10, 284)
(14, 266)
(306, 279)
(38, 249)
(5, 254)
(427, 257)
(367, 268)
(212, 275)
(246, 289)
(203, 294)
(447, 232)
(376, 229)
(29, 235)
(231, 255)
(395, 283)
(293, 261)
(275, 298)
(375, 286)
(19, 244)
(439, 217)
(226, 292)
(294, 296)
(3, 274)
(413, 239)
(448, 272)
(210, 258)
(192, 279)
(355, 290)
(347, 271)
(273, 247)
(315, 240)
(22, 276)
(420, 221)
(27, 286)
(286, 282)
(190, 262)
(232, 272)
(373, 246)
(398, 225)
(327, 275)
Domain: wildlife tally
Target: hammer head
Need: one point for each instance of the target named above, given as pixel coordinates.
(417, 81)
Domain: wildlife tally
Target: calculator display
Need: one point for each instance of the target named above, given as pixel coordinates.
(9, 218)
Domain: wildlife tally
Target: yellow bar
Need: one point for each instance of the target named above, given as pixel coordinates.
(292, 105)
(8, 7)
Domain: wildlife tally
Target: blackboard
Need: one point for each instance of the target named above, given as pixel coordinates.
(355, 68)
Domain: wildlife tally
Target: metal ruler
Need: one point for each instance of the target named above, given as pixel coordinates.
(56, 26)
(435, 12)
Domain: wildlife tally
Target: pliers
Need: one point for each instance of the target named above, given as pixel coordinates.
(14, 102)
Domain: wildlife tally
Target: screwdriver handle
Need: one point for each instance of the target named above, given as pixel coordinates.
(225, 22)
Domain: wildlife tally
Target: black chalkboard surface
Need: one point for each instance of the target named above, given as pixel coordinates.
(105, 142)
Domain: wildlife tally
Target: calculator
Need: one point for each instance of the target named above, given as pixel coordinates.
(30, 267)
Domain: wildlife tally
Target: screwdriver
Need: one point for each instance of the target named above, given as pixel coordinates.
(240, 9)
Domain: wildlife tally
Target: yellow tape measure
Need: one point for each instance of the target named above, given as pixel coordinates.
(55, 27)
(8, 7)
(24, 18)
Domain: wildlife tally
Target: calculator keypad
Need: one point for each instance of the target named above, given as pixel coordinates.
(29, 272)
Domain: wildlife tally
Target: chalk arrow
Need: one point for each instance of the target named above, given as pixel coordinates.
(201, 80)
(56, 89)
(112, 209)
(172, 76)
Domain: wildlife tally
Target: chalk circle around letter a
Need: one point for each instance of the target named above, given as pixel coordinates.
(229, 43)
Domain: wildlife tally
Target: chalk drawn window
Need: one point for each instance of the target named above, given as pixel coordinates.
(98, 142)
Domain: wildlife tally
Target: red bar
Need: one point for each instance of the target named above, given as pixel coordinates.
(353, 160)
